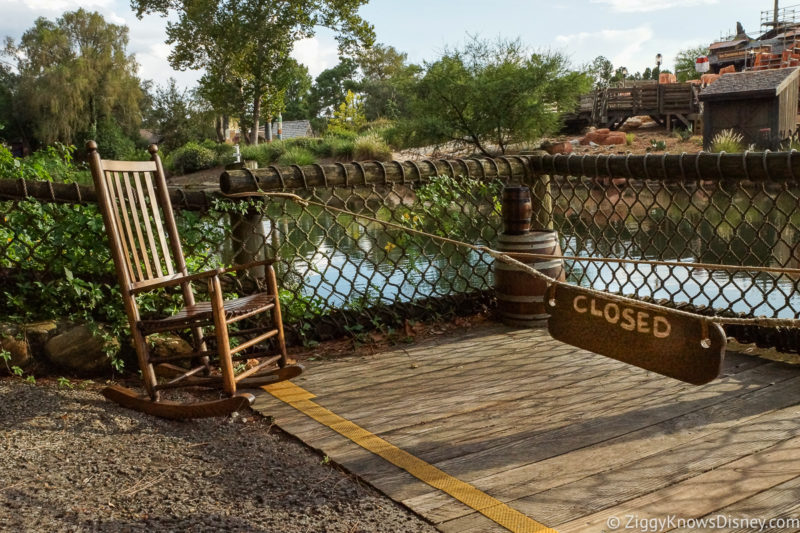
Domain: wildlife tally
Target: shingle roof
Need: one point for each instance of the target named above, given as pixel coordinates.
(756, 83)
(293, 129)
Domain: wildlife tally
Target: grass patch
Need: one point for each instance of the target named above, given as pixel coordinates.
(371, 147)
(297, 155)
(727, 141)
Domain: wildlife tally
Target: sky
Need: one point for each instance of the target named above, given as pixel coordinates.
(628, 32)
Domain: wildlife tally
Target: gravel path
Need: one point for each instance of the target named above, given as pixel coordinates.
(72, 461)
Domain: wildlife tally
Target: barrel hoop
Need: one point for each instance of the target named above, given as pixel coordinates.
(528, 237)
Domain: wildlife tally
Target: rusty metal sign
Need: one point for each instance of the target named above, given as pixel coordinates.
(656, 339)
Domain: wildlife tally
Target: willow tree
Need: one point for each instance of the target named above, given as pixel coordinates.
(245, 44)
(73, 73)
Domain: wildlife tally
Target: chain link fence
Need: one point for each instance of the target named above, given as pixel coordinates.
(343, 274)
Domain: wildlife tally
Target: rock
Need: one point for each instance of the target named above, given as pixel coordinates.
(615, 138)
(167, 344)
(557, 148)
(38, 333)
(12, 341)
(632, 124)
(78, 350)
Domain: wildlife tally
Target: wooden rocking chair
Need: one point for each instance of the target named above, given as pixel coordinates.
(136, 208)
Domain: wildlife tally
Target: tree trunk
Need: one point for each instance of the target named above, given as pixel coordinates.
(256, 117)
(219, 129)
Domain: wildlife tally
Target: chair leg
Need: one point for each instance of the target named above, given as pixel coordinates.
(272, 287)
(143, 355)
(221, 331)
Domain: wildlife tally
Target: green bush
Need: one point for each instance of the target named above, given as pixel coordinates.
(223, 152)
(371, 146)
(191, 157)
(684, 134)
(629, 138)
(266, 153)
(297, 155)
(340, 147)
(727, 141)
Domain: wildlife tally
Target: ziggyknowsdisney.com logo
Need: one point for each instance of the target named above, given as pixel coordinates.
(632, 522)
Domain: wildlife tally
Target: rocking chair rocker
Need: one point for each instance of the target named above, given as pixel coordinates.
(136, 208)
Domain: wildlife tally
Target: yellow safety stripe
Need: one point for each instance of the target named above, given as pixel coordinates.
(493, 509)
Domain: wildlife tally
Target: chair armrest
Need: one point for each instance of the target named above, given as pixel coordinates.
(174, 280)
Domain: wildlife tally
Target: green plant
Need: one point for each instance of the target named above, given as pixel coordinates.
(629, 138)
(727, 141)
(65, 383)
(658, 145)
(5, 355)
(191, 157)
(371, 146)
(349, 117)
(266, 153)
(297, 155)
(684, 134)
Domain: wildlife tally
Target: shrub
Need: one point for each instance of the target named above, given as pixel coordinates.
(371, 146)
(629, 138)
(223, 152)
(684, 134)
(266, 153)
(727, 141)
(191, 157)
(340, 147)
(297, 155)
(657, 145)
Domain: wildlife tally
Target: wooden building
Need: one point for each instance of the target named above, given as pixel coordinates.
(761, 105)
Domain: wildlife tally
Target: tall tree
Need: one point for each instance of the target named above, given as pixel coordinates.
(73, 74)
(492, 95)
(331, 86)
(178, 116)
(385, 82)
(250, 41)
(296, 97)
(602, 70)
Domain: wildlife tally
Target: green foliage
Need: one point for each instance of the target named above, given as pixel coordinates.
(601, 70)
(111, 140)
(629, 139)
(244, 46)
(74, 73)
(348, 117)
(191, 157)
(330, 88)
(386, 83)
(296, 98)
(371, 147)
(266, 154)
(492, 95)
(54, 163)
(658, 145)
(297, 155)
(727, 141)
(685, 63)
(178, 116)
(684, 134)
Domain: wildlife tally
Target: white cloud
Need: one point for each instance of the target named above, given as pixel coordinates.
(622, 47)
(316, 53)
(60, 5)
(645, 6)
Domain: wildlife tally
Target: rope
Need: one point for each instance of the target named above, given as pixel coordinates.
(553, 283)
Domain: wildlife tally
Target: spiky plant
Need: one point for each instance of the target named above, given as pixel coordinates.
(728, 141)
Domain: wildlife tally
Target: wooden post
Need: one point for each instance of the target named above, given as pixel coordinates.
(248, 237)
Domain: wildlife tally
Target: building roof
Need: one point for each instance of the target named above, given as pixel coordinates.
(291, 129)
(751, 84)
(726, 44)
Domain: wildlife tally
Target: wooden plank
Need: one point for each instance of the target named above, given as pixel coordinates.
(128, 166)
(136, 224)
(706, 492)
(606, 456)
(123, 207)
(148, 179)
(153, 249)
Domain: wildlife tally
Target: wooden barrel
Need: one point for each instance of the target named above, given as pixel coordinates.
(517, 210)
(520, 296)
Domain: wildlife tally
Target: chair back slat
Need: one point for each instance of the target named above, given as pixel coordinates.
(120, 207)
(148, 226)
(137, 225)
(148, 178)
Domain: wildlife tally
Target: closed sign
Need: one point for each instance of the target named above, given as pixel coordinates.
(654, 338)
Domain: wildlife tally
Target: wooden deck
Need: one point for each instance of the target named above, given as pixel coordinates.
(566, 437)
